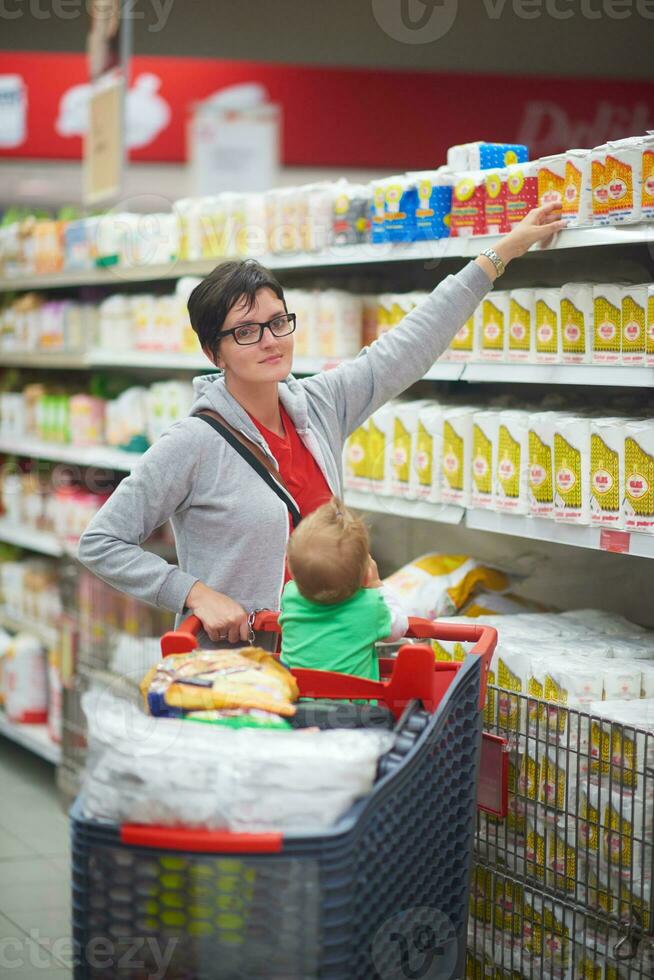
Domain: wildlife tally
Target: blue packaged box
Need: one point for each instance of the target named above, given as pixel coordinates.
(434, 203)
(486, 156)
(401, 198)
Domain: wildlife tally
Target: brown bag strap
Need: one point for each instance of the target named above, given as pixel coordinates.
(255, 456)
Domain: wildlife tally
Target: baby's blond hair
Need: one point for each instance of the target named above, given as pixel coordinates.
(328, 554)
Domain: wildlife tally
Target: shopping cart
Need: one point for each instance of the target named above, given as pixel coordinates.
(384, 893)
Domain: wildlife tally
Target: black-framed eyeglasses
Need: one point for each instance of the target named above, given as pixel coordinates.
(251, 333)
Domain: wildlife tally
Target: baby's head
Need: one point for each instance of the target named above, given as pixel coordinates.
(328, 554)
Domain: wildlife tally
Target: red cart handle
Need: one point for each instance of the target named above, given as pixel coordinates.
(328, 684)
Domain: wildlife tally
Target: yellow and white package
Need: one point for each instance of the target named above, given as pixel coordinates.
(461, 347)
(646, 678)
(624, 169)
(599, 177)
(380, 448)
(551, 179)
(541, 463)
(520, 330)
(457, 455)
(625, 829)
(621, 680)
(511, 484)
(576, 206)
(576, 311)
(438, 585)
(606, 471)
(639, 476)
(634, 324)
(557, 782)
(649, 342)
(356, 459)
(561, 857)
(547, 330)
(622, 743)
(428, 453)
(484, 454)
(566, 684)
(405, 433)
(512, 667)
(494, 326)
(607, 324)
(572, 469)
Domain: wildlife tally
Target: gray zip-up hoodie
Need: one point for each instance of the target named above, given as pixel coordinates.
(230, 528)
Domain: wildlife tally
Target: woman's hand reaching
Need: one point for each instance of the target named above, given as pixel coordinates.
(540, 225)
(221, 617)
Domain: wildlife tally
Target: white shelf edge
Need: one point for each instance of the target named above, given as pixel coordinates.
(608, 376)
(32, 737)
(18, 624)
(398, 507)
(31, 538)
(336, 256)
(103, 457)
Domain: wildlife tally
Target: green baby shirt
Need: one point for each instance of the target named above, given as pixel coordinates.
(338, 637)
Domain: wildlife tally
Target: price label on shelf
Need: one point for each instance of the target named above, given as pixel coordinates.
(616, 541)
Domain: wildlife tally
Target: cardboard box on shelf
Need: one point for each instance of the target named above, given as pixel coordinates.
(547, 332)
(494, 323)
(599, 177)
(541, 463)
(551, 179)
(429, 453)
(521, 191)
(576, 205)
(511, 483)
(469, 205)
(405, 432)
(496, 219)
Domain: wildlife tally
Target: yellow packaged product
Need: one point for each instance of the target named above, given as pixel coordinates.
(429, 452)
(356, 461)
(647, 198)
(599, 178)
(622, 743)
(380, 448)
(438, 585)
(561, 858)
(462, 345)
(639, 476)
(484, 452)
(494, 324)
(572, 469)
(457, 455)
(606, 471)
(576, 203)
(551, 179)
(213, 679)
(649, 342)
(511, 489)
(520, 331)
(634, 324)
(576, 311)
(541, 463)
(607, 324)
(547, 331)
(404, 477)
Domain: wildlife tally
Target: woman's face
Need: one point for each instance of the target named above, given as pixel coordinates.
(268, 360)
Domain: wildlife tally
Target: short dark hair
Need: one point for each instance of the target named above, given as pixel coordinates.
(213, 298)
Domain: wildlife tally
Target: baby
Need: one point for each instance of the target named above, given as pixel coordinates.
(335, 608)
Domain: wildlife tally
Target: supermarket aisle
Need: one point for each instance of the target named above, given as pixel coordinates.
(34, 870)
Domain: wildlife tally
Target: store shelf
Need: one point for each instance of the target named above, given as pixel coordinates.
(100, 456)
(560, 374)
(28, 537)
(397, 507)
(336, 256)
(20, 624)
(32, 737)
(539, 529)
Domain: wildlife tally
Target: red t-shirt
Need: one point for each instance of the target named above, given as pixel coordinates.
(298, 469)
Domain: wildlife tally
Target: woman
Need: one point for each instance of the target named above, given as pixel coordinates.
(230, 528)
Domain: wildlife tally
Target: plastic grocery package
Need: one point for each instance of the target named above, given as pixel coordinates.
(438, 585)
(142, 769)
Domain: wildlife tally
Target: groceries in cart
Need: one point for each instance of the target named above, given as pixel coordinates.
(236, 688)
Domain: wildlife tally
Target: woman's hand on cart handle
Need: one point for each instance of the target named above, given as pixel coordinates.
(540, 225)
(221, 617)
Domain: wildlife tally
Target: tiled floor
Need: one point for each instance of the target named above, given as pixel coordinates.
(34, 870)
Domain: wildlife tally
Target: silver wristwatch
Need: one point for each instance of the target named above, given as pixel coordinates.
(491, 254)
